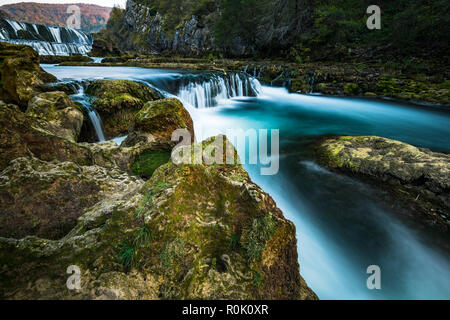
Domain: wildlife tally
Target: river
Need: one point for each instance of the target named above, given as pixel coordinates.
(343, 225)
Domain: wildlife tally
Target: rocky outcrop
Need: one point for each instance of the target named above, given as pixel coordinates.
(151, 134)
(22, 135)
(419, 176)
(193, 37)
(45, 199)
(147, 29)
(117, 101)
(20, 74)
(60, 114)
(133, 239)
(161, 240)
(157, 120)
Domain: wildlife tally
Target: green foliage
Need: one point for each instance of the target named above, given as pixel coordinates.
(126, 254)
(171, 251)
(143, 237)
(407, 26)
(235, 241)
(128, 249)
(257, 279)
(257, 235)
(213, 263)
(177, 11)
(238, 19)
(148, 161)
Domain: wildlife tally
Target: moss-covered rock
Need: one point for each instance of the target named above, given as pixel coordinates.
(62, 116)
(23, 135)
(117, 102)
(20, 74)
(190, 232)
(419, 176)
(157, 121)
(45, 198)
(148, 161)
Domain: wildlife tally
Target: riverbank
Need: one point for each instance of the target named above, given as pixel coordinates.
(420, 82)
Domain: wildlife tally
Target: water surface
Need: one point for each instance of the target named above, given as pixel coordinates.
(343, 225)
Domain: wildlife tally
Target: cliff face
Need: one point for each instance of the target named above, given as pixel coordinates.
(191, 37)
(271, 28)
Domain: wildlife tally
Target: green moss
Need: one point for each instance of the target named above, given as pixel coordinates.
(148, 161)
(171, 251)
(350, 88)
(257, 279)
(127, 254)
(256, 236)
(235, 241)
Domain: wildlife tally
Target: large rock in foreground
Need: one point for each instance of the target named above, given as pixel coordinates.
(420, 175)
(20, 74)
(117, 102)
(46, 198)
(190, 232)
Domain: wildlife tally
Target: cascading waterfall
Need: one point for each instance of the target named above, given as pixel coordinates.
(93, 115)
(46, 40)
(205, 93)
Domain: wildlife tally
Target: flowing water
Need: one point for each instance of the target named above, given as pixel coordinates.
(343, 225)
(44, 39)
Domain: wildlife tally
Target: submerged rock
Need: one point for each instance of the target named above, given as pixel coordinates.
(419, 175)
(117, 102)
(20, 74)
(190, 232)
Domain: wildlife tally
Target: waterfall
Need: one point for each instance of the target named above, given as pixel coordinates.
(92, 113)
(46, 40)
(201, 92)
(312, 80)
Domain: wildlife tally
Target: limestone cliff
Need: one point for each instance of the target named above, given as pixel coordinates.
(147, 28)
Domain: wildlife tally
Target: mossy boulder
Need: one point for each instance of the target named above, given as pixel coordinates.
(157, 121)
(117, 101)
(23, 135)
(20, 74)
(62, 116)
(419, 176)
(45, 198)
(190, 232)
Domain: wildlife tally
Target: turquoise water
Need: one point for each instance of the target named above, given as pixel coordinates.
(343, 225)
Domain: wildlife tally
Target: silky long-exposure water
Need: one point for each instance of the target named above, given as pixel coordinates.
(343, 225)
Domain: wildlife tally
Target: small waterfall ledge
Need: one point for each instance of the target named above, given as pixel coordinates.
(201, 92)
(46, 40)
(94, 117)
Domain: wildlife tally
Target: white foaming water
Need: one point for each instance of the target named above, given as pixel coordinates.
(48, 42)
(219, 87)
(93, 115)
